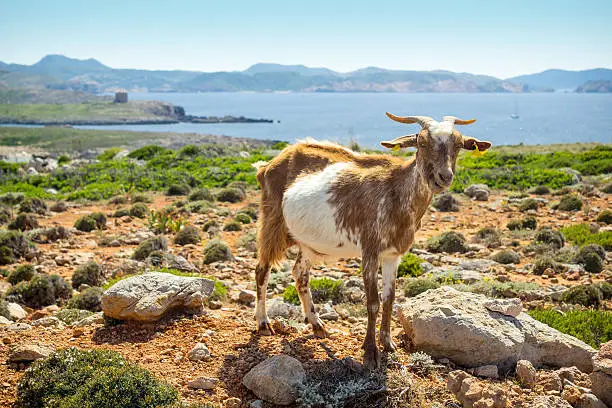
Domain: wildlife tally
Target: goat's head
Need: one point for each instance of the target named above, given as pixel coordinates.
(438, 145)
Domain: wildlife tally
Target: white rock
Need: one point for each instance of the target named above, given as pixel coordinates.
(276, 379)
(16, 312)
(508, 307)
(28, 352)
(4, 321)
(203, 383)
(199, 353)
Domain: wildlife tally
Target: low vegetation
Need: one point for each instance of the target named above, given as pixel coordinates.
(450, 242)
(410, 266)
(594, 327)
(582, 234)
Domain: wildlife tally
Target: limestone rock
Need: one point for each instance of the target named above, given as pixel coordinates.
(475, 394)
(199, 353)
(27, 353)
(4, 321)
(278, 308)
(526, 373)
(447, 323)
(202, 383)
(508, 307)
(487, 371)
(246, 297)
(550, 401)
(601, 377)
(478, 192)
(276, 379)
(16, 312)
(147, 297)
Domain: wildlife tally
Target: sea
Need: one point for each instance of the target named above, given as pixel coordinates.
(543, 118)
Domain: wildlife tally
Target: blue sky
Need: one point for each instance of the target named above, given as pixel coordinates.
(497, 37)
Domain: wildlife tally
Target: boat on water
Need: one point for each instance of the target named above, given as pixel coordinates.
(515, 115)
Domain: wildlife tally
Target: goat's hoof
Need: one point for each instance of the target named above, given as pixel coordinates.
(265, 329)
(319, 331)
(389, 346)
(371, 359)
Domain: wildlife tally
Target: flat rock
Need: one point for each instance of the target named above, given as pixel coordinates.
(446, 323)
(508, 307)
(276, 379)
(16, 312)
(278, 308)
(28, 352)
(203, 383)
(147, 297)
(549, 401)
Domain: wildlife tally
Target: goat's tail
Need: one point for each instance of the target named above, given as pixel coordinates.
(273, 237)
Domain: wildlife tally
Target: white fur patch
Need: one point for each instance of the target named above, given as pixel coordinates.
(441, 130)
(311, 219)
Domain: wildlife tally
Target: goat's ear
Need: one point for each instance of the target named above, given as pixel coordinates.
(469, 143)
(401, 142)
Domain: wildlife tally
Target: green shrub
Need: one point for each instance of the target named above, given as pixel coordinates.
(59, 207)
(147, 152)
(607, 188)
(541, 190)
(592, 257)
(219, 292)
(200, 207)
(529, 223)
(11, 199)
(594, 327)
(188, 235)
(506, 257)
(4, 310)
(109, 154)
(581, 234)
(216, 250)
(22, 273)
(570, 203)
(40, 291)
(118, 200)
(89, 274)
(528, 204)
(33, 205)
(121, 212)
(230, 195)
(243, 218)
(74, 378)
(250, 211)
(585, 295)
(419, 285)
(514, 225)
(201, 194)
(326, 289)
(13, 246)
(550, 237)
(63, 159)
(178, 190)
(410, 265)
(139, 210)
(490, 236)
(240, 185)
(5, 214)
(210, 224)
(606, 290)
(279, 145)
(90, 299)
(140, 198)
(450, 241)
(232, 225)
(90, 222)
(24, 222)
(290, 295)
(605, 217)
(544, 262)
(157, 243)
(71, 316)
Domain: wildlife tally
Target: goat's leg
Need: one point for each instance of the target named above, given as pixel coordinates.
(301, 274)
(371, 358)
(262, 274)
(389, 272)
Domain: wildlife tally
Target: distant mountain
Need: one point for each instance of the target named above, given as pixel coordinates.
(595, 87)
(561, 79)
(58, 72)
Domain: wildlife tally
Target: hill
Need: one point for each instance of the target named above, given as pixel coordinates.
(561, 79)
(595, 87)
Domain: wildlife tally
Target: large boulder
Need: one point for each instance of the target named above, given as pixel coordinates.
(446, 323)
(147, 297)
(276, 379)
(601, 377)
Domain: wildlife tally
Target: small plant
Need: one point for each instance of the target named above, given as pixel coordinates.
(550, 237)
(231, 195)
(445, 202)
(71, 316)
(201, 194)
(250, 211)
(541, 190)
(188, 235)
(528, 204)
(326, 289)
(585, 295)
(490, 236)
(157, 243)
(109, 154)
(140, 198)
(139, 210)
(529, 223)
(607, 188)
(591, 257)
(63, 159)
(73, 378)
(121, 212)
(606, 290)
(13, 246)
(200, 207)
(450, 241)
(248, 240)
(243, 218)
(22, 273)
(570, 203)
(90, 222)
(219, 291)
(215, 251)
(33, 205)
(40, 291)
(514, 225)
(90, 299)
(605, 217)
(90, 274)
(581, 234)
(290, 295)
(543, 263)
(59, 207)
(232, 225)
(410, 265)
(421, 362)
(178, 190)
(506, 257)
(24, 222)
(209, 225)
(118, 200)
(594, 327)
(5, 214)
(419, 285)
(165, 221)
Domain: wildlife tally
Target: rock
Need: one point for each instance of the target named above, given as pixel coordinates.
(4, 321)
(550, 381)
(63, 260)
(601, 377)
(246, 297)
(276, 379)
(50, 321)
(480, 195)
(327, 312)
(487, 371)
(480, 265)
(147, 297)
(232, 402)
(16, 312)
(508, 307)
(447, 323)
(203, 383)
(588, 400)
(28, 353)
(199, 353)
(478, 192)
(526, 373)
(278, 308)
(475, 394)
(569, 373)
(18, 327)
(549, 401)
(96, 318)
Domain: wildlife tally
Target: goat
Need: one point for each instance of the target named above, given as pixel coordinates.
(335, 203)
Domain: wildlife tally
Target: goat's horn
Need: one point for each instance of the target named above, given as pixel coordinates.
(458, 121)
(421, 120)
